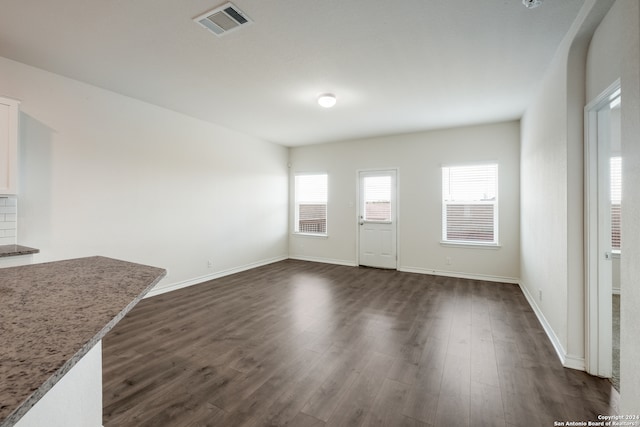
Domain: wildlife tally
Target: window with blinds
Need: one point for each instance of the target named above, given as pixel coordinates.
(311, 204)
(615, 168)
(469, 204)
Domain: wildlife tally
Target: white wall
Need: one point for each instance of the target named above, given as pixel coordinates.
(418, 157)
(615, 53)
(606, 50)
(543, 265)
(104, 174)
(552, 208)
(630, 267)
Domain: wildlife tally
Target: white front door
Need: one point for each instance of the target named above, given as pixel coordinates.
(377, 219)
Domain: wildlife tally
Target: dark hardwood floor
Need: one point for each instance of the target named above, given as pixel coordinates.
(306, 344)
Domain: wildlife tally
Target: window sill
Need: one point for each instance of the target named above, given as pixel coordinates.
(471, 245)
(312, 235)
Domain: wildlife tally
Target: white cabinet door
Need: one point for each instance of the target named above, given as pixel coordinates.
(8, 146)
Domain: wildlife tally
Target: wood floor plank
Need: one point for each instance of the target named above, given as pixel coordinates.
(323, 402)
(422, 404)
(484, 368)
(486, 408)
(244, 409)
(289, 403)
(304, 420)
(297, 343)
(403, 371)
(356, 403)
(453, 410)
(388, 406)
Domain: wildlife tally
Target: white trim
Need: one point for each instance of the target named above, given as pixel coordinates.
(574, 362)
(597, 325)
(485, 277)
(197, 280)
(324, 260)
(568, 361)
(615, 291)
(555, 341)
(312, 235)
(478, 245)
(11, 188)
(613, 91)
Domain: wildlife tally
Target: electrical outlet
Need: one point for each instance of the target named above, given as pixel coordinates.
(448, 260)
(210, 264)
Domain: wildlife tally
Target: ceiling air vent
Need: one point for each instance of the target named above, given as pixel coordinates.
(223, 19)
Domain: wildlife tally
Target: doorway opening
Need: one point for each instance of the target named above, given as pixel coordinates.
(603, 200)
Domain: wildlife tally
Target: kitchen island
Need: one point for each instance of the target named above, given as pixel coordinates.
(53, 317)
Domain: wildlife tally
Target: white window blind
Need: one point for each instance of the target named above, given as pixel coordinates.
(469, 204)
(377, 198)
(615, 168)
(311, 204)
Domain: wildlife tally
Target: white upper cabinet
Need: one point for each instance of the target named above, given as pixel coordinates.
(8, 146)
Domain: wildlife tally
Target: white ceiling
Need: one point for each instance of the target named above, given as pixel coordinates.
(396, 66)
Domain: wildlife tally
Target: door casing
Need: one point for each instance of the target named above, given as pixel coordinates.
(598, 268)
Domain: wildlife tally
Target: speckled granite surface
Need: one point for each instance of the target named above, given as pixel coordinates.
(52, 314)
(14, 250)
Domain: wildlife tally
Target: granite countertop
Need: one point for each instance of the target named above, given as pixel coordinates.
(14, 250)
(52, 314)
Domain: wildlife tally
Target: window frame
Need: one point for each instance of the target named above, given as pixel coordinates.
(495, 243)
(296, 205)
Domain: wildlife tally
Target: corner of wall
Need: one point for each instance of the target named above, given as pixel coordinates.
(567, 360)
(551, 159)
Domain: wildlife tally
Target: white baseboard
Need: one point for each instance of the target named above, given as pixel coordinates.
(568, 361)
(195, 281)
(488, 278)
(419, 270)
(325, 260)
(573, 362)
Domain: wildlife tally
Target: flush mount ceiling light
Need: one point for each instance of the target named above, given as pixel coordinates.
(327, 100)
(531, 4)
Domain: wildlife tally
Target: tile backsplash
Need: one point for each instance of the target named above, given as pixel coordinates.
(8, 220)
